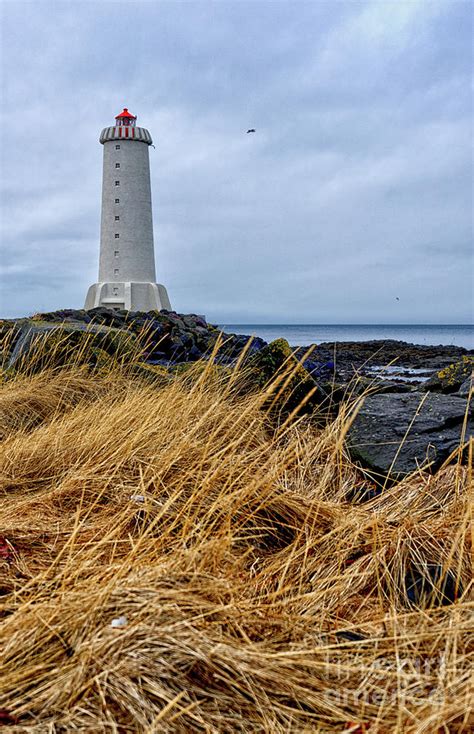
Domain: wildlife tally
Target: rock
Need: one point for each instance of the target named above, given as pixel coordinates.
(257, 344)
(167, 338)
(361, 357)
(377, 440)
(192, 321)
(49, 345)
(175, 319)
(270, 359)
(372, 385)
(239, 342)
(180, 343)
(430, 585)
(23, 344)
(107, 316)
(351, 636)
(194, 353)
(232, 344)
(64, 315)
(276, 357)
(386, 386)
(449, 379)
(320, 369)
(466, 387)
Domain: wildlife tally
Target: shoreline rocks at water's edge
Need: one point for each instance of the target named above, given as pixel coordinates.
(426, 416)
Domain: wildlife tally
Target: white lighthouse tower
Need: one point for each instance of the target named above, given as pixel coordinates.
(127, 259)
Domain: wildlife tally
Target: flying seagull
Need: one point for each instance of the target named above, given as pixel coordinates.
(251, 130)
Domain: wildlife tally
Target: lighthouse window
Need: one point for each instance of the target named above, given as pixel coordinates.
(117, 236)
(116, 272)
(117, 165)
(116, 253)
(117, 218)
(117, 183)
(117, 201)
(117, 147)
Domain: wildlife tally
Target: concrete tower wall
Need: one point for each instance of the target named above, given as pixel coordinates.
(126, 243)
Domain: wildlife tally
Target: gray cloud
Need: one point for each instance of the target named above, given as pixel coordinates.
(356, 188)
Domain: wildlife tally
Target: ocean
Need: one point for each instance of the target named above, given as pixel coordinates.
(458, 335)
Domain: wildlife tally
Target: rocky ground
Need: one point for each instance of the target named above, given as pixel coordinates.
(415, 413)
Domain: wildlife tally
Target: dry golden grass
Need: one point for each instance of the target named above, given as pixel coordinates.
(255, 597)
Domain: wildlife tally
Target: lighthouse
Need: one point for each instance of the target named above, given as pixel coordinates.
(127, 277)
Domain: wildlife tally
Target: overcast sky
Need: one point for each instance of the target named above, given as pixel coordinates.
(355, 190)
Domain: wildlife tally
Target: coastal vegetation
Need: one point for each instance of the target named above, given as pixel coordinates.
(186, 550)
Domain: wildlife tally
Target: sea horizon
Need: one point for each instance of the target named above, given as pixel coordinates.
(458, 335)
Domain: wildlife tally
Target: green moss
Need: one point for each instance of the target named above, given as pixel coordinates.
(277, 362)
(270, 359)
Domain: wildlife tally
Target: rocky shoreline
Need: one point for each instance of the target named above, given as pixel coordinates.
(415, 410)
(189, 337)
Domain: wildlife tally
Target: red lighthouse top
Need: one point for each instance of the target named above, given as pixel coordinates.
(125, 118)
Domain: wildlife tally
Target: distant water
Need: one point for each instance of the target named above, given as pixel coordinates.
(304, 334)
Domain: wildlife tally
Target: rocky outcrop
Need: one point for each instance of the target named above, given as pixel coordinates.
(394, 434)
(451, 378)
(172, 338)
(348, 358)
(164, 337)
(297, 386)
(34, 345)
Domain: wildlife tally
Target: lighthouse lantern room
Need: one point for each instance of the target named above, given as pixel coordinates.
(125, 118)
(127, 278)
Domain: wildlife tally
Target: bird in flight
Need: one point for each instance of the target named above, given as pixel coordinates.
(251, 130)
(397, 298)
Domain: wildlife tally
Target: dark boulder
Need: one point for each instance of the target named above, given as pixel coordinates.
(52, 345)
(234, 344)
(371, 385)
(466, 387)
(430, 585)
(450, 378)
(192, 321)
(319, 370)
(182, 342)
(107, 316)
(394, 434)
(174, 318)
(194, 353)
(298, 391)
(350, 636)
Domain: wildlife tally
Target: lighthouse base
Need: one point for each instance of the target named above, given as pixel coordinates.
(128, 296)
